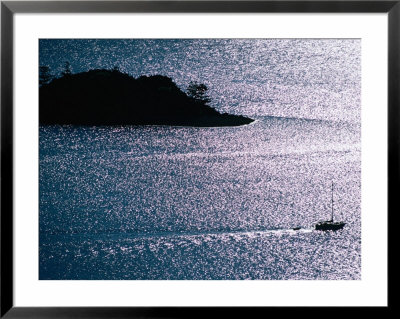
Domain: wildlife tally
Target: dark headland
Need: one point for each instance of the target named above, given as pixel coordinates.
(109, 97)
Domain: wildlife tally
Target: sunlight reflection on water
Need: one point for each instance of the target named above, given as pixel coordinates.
(121, 199)
(158, 202)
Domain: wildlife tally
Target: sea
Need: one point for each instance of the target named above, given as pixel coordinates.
(216, 203)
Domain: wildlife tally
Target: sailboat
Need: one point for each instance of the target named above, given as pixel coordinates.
(330, 224)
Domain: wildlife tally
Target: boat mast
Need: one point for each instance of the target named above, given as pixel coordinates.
(332, 203)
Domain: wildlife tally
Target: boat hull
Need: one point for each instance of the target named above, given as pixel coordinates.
(329, 226)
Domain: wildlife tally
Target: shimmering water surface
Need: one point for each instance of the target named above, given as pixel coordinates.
(311, 78)
(161, 202)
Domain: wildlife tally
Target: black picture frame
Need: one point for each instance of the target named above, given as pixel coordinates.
(9, 8)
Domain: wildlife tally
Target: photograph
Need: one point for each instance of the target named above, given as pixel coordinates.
(199, 159)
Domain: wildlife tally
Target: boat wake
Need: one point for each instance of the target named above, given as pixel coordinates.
(173, 234)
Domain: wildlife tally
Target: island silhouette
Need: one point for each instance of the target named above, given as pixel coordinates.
(110, 97)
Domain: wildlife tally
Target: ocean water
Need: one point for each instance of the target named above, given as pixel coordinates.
(304, 78)
(183, 203)
(163, 202)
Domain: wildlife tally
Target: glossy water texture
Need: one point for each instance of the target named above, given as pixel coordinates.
(160, 202)
(307, 78)
(199, 203)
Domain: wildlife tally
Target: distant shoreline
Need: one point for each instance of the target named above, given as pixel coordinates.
(109, 98)
(229, 121)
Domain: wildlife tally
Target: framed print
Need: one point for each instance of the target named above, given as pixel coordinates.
(163, 155)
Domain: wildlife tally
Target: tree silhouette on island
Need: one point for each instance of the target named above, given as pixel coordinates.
(110, 97)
